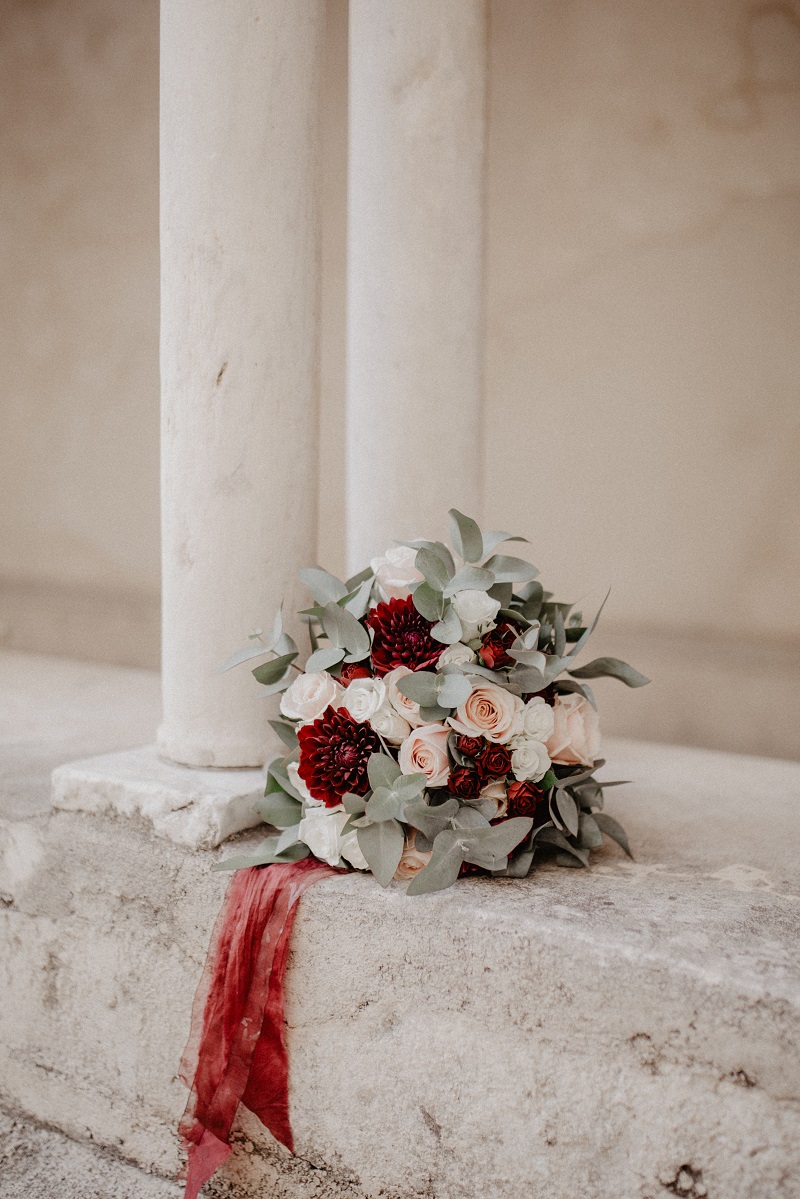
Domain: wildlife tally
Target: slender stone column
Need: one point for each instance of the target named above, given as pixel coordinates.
(415, 249)
(239, 124)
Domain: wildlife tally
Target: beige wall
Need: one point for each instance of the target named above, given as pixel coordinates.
(643, 237)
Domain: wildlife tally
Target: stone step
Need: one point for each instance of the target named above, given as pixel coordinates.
(629, 1032)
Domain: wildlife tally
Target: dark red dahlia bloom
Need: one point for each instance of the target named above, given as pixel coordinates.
(464, 783)
(496, 643)
(402, 637)
(334, 752)
(524, 799)
(494, 762)
(354, 670)
(470, 747)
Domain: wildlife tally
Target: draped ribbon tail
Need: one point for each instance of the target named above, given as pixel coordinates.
(237, 1046)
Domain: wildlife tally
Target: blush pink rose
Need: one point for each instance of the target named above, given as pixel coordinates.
(489, 712)
(576, 732)
(424, 751)
(412, 861)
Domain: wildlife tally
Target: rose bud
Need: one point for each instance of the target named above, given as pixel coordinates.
(464, 783)
(470, 747)
(354, 670)
(496, 643)
(494, 762)
(524, 799)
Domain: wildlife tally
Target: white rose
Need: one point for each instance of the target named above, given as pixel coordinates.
(395, 572)
(321, 831)
(404, 706)
(363, 698)
(489, 712)
(529, 759)
(475, 607)
(309, 696)
(293, 771)
(458, 653)
(390, 725)
(424, 751)
(536, 720)
(496, 791)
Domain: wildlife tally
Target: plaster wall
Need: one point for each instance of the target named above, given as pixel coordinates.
(642, 317)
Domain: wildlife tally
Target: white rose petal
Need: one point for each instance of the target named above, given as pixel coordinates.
(363, 698)
(529, 759)
(309, 696)
(293, 771)
(475, 607)
(537, 720)
(459, 653)
(498, 792)
(351, 850)
(395, 572)
(390, 725)
(321, 831)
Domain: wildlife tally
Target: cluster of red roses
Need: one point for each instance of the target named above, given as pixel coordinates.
(490, 762)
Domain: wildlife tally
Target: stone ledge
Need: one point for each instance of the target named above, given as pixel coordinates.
(193, 807)
(569, 1034)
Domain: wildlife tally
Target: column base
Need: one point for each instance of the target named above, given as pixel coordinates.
(198, 808)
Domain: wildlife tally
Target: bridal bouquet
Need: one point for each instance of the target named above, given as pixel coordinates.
(441, 725)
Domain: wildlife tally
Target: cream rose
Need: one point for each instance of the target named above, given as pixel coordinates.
(475, 607)
(459, 653)
(309, 696)
(576, 734)
(536, 720)
(321, 831)
(498, 792)
(390, 725)
(363, 698)
(489, 712)
(404, 706)
(395, 572)
(412, 861)
(529, 759)
(424, 751)
(300, 787)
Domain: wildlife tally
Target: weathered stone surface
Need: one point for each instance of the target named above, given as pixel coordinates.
(193, 807)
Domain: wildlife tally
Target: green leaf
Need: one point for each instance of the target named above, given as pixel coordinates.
(419, 686)
(529, 657)
(589, 835)
(569, 685)
(265, 855)
(431, 819)
(289, 836)
(275, 688)
(443, 868)
(504, 592)
(552, 836)
(613, 830)
(431, 566)
(364, 576)
(532, 603)
(567, 809)
(437, 547)
(429, 603)
(382, 846)
(549, 780)
(354, 805)
(343, 629)
(382, 770)
(279, 809)
(497, 841)
(469, 818)
(469, 578)
(510, 570)
(323, 659)
(286, 732)
(452, 690)
(409, 786)
(520, 866)
(433, 713)
(465, 536)
(273, 672)
(244, 655)
(448, 629)
(324, 586)
(560, 635)
(528, 679)
(384, 804)
(358, 604)
(497, 537)
(579, 644)
(611, 668)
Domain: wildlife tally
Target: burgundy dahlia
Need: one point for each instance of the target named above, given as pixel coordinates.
(402, 637)
(334, 752)
(524, 799)
(496, 643)
(464, 783)
(494, 762)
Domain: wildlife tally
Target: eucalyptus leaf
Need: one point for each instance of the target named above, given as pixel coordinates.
(382, 770)
(265, 855)
(278, 773)
(384, 804)
(559, 633)
(409, 786)
(453, 690)
(496, 537)
(289, 836)
(552, 836)
(433, 713)
(323, 659)
(279, 809)
(286, 732)
(466, 536)
(419, 686)
(503, 593)
(382, 845)
(520, 866)
(498, 840)
(448, 629)
(469, 818)
(273, 672)
(353, 804)
(510, 570)
(275, 688)
(443, 868)
(324, 586)
(433, 569)
(614, 830)
(528, 679)
(579, 644)
(364, 576)
(569, 685)
(589, 835)
(611, 668)
(286, 645)
(358, 604)
(437, 547)
(469, 578)
(567, 810)
(429, 603)
(529, 657)
(431, 819)
(245, 655)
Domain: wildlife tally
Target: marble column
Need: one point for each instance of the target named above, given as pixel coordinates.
(240, 97)
(415, 249)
